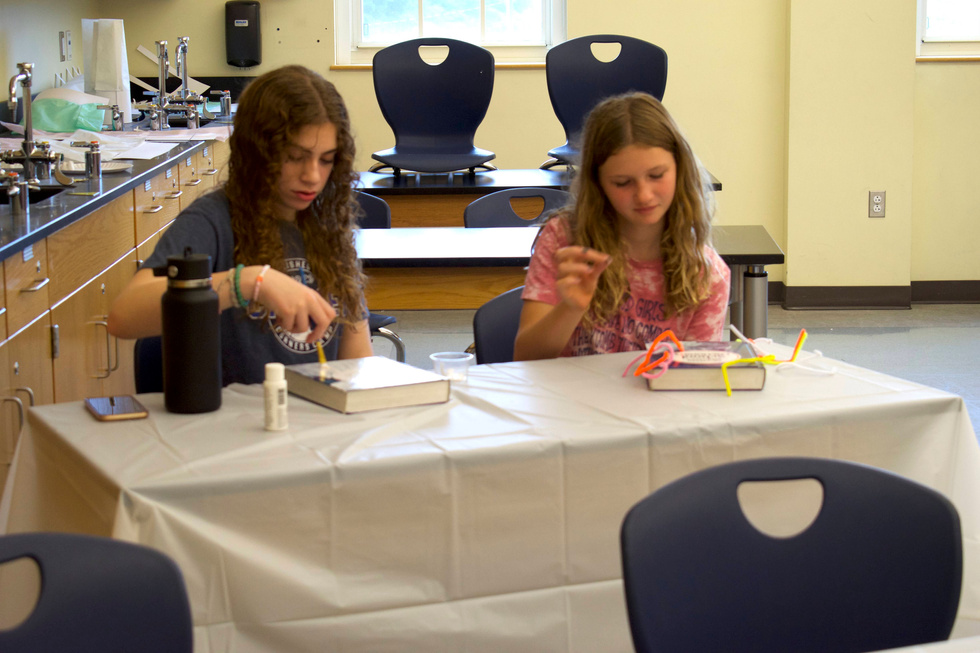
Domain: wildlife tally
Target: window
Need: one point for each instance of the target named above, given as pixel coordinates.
(516, 31)
(949, 28)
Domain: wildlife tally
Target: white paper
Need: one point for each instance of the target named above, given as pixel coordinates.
(147, 150)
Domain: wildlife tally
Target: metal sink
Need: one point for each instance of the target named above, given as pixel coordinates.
(34, 196)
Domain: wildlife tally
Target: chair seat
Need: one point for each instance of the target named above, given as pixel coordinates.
(376, 321)
(409, 159)
(566, 154)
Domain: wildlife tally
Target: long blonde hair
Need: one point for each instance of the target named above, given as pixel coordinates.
(639, 119)
(272, 110)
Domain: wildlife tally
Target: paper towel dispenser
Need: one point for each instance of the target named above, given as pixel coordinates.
(243, 38)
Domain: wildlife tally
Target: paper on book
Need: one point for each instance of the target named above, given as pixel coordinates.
(699, 367)
(371, 383)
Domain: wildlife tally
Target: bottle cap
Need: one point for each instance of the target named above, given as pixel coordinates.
(275, 371)
(189, 267)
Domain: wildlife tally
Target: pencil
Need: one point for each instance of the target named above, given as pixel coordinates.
(324, 368)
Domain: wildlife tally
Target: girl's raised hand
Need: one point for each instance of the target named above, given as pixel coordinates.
(298, 307)
(578, 274)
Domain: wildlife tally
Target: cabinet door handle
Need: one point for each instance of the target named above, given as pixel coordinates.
(109, 369)
(194, 182)
(210, 173)
(38, 284)
(156, 208)
(174, 195)
(3, 309)
(28, 392)
(115, 341)
(20, 413)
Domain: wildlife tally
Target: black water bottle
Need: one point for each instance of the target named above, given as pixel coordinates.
(191, 335)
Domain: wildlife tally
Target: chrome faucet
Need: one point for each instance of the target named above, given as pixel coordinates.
(24, 78)
(29, 156)
(23, 157)
(182, 66)
(163, 71)
(163, 58)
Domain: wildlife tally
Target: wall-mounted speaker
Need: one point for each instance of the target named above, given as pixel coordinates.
(243, 36)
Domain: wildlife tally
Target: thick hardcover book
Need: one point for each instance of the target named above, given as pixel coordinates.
(358, 384)
(698, 367)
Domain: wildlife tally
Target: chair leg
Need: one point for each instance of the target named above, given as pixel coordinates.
(392, 337)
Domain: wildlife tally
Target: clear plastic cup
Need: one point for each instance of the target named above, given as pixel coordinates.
(454, 365)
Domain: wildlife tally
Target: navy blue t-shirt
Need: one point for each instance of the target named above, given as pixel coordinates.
(247, 343)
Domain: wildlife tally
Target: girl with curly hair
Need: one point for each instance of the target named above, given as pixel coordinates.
(280, 234)
(631, 257)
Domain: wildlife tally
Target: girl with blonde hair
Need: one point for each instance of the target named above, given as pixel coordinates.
(631, 257)
(280, 234)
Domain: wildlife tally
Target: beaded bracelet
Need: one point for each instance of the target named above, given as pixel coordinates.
(258, 283)
(238, 286)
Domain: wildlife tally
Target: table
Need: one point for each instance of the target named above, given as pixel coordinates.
(489, 523)
(455, 267)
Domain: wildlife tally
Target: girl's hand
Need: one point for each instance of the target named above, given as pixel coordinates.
(298, 307)
(578, 274)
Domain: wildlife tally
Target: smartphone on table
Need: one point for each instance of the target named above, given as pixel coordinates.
(118, 407)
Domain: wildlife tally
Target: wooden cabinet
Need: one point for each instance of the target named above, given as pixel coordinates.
(90, 362)
(3, 307)
(202, 171)
(214, 161)
(11, 417)
(85, 248)
(82, 254)
(55, 297)
(191, 178)
(25, 376)
(26, 285)
(157, 203)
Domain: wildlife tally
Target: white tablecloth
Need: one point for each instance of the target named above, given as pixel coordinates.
(487, 524)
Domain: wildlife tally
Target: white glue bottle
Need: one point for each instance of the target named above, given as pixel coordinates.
(276, 416)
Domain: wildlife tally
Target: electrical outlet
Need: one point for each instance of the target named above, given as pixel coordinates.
(68, 42)
(62, 46)
(876, 204)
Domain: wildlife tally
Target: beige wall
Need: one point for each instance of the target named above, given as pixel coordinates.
(798, 107)
(851, 89)
(29, 32)
(946, 166)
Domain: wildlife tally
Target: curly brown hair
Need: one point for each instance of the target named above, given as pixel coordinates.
(639, 119)
(272, 110)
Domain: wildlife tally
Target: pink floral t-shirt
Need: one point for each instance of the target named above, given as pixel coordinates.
(641, 317)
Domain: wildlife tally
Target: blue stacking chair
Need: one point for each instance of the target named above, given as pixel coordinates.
(495, 327)
(496, 210)
(577, 82)
(433, 110)
(879, 567)
(99, 594)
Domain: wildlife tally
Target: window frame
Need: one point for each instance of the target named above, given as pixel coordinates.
(345, 54)
(940, 49)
